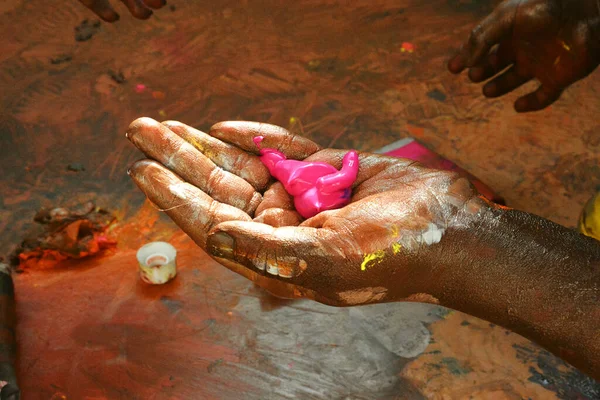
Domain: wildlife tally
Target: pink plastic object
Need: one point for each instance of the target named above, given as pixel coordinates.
(315, 186)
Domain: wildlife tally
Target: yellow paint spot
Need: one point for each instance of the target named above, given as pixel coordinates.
(396, 248)
(395, 232)
(557, 60)
(372, 258)
(194, 142)
(162, 113)
(314, 64)
(566, 46)
(293, 120)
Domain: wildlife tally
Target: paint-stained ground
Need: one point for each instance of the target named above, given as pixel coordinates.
(70, 86)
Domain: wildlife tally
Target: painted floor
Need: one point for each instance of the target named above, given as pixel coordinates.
(332, 70)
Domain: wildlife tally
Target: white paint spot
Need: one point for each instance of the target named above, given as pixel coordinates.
(179, 190)
(432, 235)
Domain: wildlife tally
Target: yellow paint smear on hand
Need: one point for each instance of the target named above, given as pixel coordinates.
(372, 258)
(396, 248)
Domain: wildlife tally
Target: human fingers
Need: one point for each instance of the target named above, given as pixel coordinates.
(541, 98)
(138, 9)
(242, 133)
(277, 208)
(101, 8)
(155, 4)
(282, 253)
(489, 32)
(506, 82)
(495, 62)
(159, 143)
(227, 156)
(194, 211)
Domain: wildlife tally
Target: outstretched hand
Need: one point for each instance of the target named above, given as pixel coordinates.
(141, 9)
(380, 247)
(556, 42)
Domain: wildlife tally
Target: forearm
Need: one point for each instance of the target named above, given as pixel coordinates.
(529, 275)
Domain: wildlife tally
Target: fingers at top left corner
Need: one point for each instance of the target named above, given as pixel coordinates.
(242, 133)
(101, 8)
(155, 4)
(138, 9)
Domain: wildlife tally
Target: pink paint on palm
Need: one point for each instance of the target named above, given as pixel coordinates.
(315, 186)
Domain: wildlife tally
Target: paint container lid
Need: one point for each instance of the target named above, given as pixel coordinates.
(157, 262)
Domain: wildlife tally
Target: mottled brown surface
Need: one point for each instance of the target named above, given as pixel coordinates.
(336, 67)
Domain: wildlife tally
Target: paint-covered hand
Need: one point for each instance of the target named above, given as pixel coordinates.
(383, 246)
(556, 42)
(140, 9)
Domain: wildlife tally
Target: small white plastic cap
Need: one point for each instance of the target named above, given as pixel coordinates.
(157, 262)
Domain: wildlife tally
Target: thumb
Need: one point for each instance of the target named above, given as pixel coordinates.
(283, 252)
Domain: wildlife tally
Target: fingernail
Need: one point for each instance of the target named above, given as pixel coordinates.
(221, 245)
(128, 171)
(127, 134)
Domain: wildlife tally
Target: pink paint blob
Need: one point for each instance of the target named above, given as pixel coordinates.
(315, 186)
(140, 88)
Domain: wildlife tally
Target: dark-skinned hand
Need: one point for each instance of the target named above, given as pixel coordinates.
(140, 9)
(375, 249)
(556, 42)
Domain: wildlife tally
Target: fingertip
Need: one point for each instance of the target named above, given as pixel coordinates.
(521, 105)
(476, 74)
(220, 244)
(139, 167)
(224, 126)
(143, 14)
(109, 16)
(490, 89)
(156, 4)
(456, 65)
(171, 124)
(138, 125)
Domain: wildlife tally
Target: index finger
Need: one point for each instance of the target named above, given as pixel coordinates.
(489, 32)
(241, 133)
(195, 212)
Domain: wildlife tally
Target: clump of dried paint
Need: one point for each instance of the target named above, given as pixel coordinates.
(315, 186)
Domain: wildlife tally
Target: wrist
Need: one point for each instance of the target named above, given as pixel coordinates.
(529, 275)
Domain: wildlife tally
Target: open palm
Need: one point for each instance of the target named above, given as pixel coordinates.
(215, 187)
